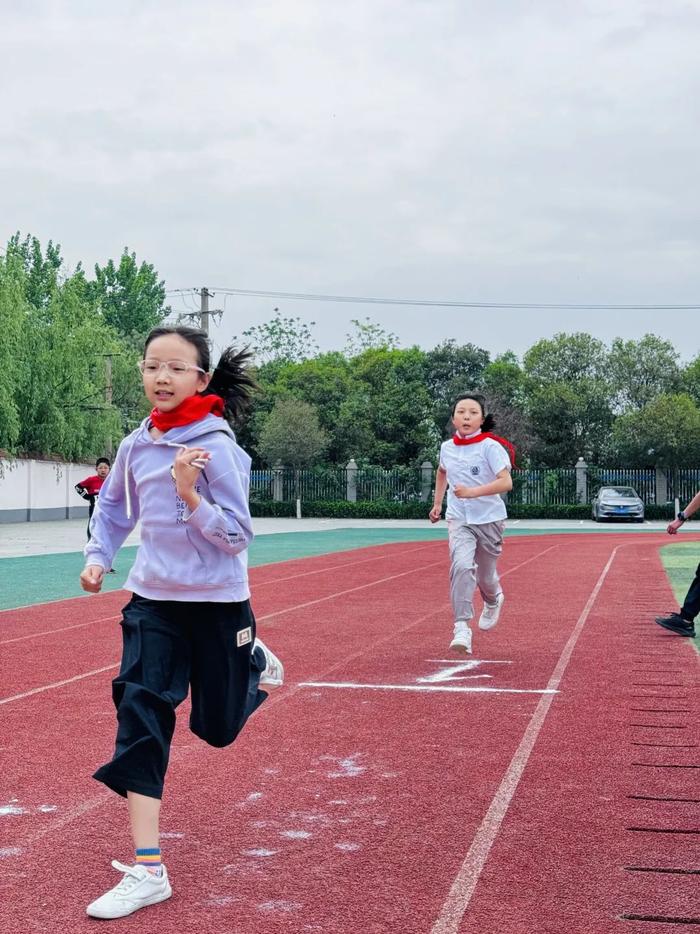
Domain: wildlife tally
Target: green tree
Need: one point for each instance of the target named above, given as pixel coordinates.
(449, 369)
(641, 370)
(569, 420)
(14, 311)
(665, 433)
(62, 382)
(568, 398)
(504, 381)
(690, 379)
(566, 358)
(291, 435)
(41, 268)
(130, 296)
(387, 418)
(368, 336)
(281, 340)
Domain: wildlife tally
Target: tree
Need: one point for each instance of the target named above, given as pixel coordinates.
(13, 314)
(690, 379)
(570, 420)
(41, 269)
(368, 336)
(450, 369)
(281, 340)
(504, 381)
(291, 435)
(641, 370)
(62, 383)
(566, 358)
(130, 297)
(665, 433)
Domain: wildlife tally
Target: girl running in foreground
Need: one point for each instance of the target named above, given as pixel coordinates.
(477, 468)
(189, 623)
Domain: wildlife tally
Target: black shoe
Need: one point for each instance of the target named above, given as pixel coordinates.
(676, 623)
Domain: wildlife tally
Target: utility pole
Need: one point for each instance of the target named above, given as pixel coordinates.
(204, 295)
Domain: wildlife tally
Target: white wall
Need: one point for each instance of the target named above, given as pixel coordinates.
(40, 490)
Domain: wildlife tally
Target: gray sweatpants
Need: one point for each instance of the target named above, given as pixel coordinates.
(474, 550)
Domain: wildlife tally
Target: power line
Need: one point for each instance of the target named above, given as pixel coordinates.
(370, 300)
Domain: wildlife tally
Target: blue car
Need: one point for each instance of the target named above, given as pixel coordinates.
(617, 502)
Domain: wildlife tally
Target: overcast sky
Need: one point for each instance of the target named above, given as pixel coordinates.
(461, 150)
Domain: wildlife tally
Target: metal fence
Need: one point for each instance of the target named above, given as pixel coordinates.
(545, 486)
(400, 484)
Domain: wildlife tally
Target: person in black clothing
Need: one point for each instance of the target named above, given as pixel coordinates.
(683, 623)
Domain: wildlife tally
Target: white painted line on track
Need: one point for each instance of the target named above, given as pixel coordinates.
(429, 688)
(465, 882)
(50, 632)
(58, 684)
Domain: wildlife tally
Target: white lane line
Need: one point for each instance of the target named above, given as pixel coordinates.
(430, 688)
(182, 752)
(466, 880)
(50, 632)
(276, 580)
(383, 580)
(58, 684)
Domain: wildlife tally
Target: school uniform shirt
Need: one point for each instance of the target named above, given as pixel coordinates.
(474, 465)
(184, 555)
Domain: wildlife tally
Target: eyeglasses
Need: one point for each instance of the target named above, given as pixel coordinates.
(150, 367)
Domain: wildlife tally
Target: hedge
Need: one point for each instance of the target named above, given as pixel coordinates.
(378, 509)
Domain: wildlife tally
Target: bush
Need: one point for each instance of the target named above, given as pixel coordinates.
(383, 509)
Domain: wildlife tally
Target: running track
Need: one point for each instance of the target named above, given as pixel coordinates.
(553, 787)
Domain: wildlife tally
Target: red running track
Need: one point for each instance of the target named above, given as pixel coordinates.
(383, 789)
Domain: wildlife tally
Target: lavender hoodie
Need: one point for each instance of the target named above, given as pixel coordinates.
(186, 556)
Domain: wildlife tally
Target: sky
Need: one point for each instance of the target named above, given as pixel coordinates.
(517, 151)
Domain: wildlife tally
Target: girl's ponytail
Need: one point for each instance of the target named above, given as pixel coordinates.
(233, 381)
(489, 423)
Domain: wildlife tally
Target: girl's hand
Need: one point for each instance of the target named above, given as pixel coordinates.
(672, 527)
(435, 513)
(187, 465)
(91, 578)
(465, 492)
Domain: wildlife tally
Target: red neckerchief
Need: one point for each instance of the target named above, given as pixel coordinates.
(481, 436)
(190, 410)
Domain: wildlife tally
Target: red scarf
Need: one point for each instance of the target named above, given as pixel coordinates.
(190, 409)
(475, 439)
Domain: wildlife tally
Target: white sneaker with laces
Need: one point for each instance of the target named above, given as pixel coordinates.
(462, 640)
(138, 888)
(273, 676)
(489, 614)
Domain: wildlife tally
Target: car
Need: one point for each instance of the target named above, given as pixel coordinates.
(617, 502)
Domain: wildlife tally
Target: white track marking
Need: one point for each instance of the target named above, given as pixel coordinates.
(58, 684)
(460, 894)
(452, 672)
(97, 800)
(428, 688)
(383, 580)
(50, 632)
(103, 619)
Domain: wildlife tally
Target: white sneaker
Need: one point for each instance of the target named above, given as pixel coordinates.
(462, 640)
(138, 888)
(489, 614)
(273, 676)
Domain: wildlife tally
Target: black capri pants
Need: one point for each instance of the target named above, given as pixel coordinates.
(170, 647)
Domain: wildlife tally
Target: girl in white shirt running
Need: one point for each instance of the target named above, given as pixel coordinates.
(476, 466)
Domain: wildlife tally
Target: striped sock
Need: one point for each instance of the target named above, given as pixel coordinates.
(150, 859)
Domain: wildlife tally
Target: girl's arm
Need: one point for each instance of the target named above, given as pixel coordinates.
(440, 487)
(502, 484)
(110, 524)
(226, 522)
